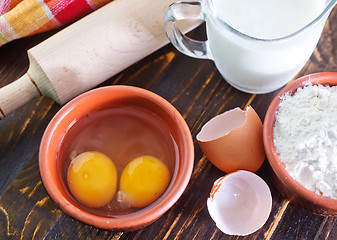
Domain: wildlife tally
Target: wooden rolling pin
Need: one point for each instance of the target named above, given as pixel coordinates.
(89, 52)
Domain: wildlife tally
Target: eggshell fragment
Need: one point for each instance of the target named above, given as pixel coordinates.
(239, 203)
(233, 140)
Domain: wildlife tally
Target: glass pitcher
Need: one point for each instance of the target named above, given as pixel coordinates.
(250, 64)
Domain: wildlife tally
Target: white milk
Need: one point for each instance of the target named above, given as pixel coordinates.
(262, 66)
(268, 19)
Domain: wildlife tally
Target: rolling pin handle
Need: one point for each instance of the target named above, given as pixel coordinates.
(16, 94)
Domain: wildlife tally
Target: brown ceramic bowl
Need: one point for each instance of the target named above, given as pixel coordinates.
(287, 185)
(107, 97)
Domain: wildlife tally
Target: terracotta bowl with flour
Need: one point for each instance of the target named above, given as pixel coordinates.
(286, 184)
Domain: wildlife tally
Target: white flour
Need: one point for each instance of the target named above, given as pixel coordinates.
(305, 137)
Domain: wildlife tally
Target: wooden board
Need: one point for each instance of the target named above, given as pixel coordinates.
(199, 92)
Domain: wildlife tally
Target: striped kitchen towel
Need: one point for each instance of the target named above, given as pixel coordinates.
(21, 18)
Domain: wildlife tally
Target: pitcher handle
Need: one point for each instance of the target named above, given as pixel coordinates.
(186, 11)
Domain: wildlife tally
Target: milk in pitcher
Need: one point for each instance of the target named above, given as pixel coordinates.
(268, 19)
(248, 63)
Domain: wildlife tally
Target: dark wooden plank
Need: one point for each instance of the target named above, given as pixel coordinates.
(26, 210)
(306, 225)
(78, 230)
(22, 135)
(21, 131)
(198, 91)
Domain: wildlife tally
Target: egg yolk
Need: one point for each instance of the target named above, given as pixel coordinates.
(92, 179)
(143, 180)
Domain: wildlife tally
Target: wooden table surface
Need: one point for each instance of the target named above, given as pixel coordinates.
(198, 91)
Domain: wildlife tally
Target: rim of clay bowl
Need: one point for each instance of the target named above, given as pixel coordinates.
(64, 119)
(293, 189)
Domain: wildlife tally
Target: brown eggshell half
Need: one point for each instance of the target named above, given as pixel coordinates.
(233, 140)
